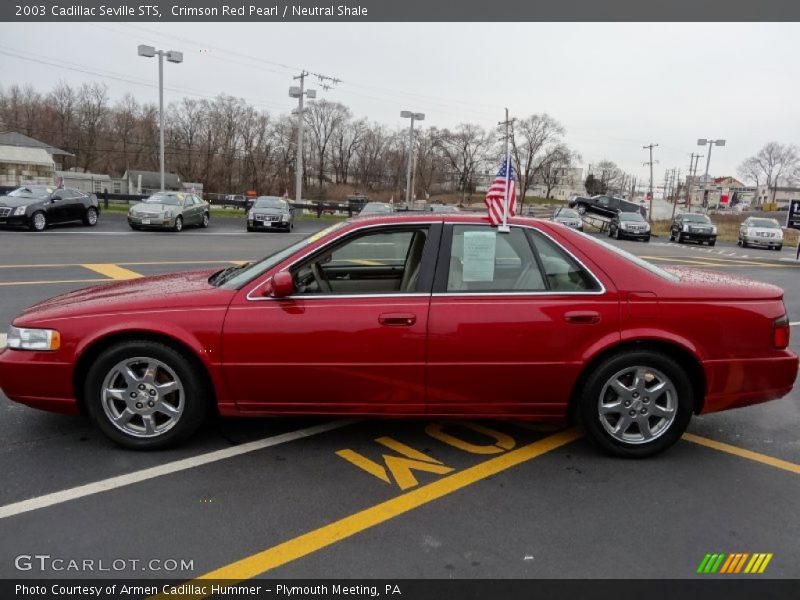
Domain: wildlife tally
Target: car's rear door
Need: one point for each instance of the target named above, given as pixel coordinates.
(512, 317)
(354, 345)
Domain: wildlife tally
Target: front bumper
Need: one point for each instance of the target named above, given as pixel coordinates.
(634, 235)
(12, 221)
(255, 224)
(42, 380)
(689, 236)
(757, 240)
(157, 222)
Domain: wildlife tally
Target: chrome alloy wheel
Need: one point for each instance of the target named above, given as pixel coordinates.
(91, 216)
(637, 405)
(142, 397)
(39, 221)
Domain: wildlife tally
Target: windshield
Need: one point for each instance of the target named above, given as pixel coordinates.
(376, 208)
(695, 218)
(767, 223)
(270, 203)
(568, 213)
(250, 271)
(631, 217)
(39, 193)
(169, 199)
(634, 259)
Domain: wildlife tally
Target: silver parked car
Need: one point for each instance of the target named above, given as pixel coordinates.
(169, 210)
(376, 208)
(568, 217)
(758, 231)
(270, 212)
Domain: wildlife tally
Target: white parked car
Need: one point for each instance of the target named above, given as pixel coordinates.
(758, 231)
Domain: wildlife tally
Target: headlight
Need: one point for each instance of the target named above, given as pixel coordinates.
(168, 214)
(285, 216)
(250, 215)
(714, 229)
(750, 231)
(686, 227)
(20, 210)
(21, 338)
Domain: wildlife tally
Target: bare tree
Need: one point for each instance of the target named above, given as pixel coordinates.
(347, 139)
(774, 164)
(555, 165)
(92, 112)
(324, 119)
(531, 139)
(465, 150)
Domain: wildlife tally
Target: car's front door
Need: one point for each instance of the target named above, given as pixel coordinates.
(74, 204)
(56, 207)
(350, 339)
(512, 317)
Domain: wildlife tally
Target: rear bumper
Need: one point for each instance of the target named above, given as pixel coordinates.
(38, 379)
(736, 383)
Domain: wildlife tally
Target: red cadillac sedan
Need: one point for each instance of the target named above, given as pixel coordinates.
(407, 316)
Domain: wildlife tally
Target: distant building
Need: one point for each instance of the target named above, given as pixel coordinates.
(149, 182)
(22, 165)
(718, 187)
(13, 138)
(91, 183)
(783, 195)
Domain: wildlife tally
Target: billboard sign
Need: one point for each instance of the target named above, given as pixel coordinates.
(793, 216)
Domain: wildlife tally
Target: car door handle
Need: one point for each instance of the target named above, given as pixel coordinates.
(397, 319)
(582, 317)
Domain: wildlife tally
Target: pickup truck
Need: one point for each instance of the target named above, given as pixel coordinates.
(605, 206)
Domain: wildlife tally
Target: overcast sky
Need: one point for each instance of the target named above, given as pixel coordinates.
(615, 87)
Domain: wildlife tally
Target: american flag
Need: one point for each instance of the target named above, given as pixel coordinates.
(497, 193)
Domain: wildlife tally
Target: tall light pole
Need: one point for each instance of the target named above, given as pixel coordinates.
(173, 56)
(407, 114)
(300, 92)
(710, 144)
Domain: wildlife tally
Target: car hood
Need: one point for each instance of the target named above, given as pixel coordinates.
(720, 286)
(15, 201)
(160, 292)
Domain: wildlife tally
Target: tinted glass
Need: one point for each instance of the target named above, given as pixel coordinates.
(563, 272)
(265, 202)
(766, 223)
(483, 260)
(38, 193)
(166, 198)
(631, 216)
(696, 218)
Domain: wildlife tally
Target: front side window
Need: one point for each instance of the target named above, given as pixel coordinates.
(483, 260)
(375, 262)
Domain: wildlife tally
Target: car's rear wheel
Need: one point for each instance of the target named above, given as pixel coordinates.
(90, 216)
(145, 395)
(636, 404)
(38, 221)
(178, 224)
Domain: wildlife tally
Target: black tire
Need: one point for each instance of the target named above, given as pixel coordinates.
(135, 227)
(588, 404)
(671, 237)
(647, 239)
(250, 229)
(206, 220)
(680, 238)
(38, 221)
(581, 209)
(196, 399)
(616, 233)
(610, 233)
(744, 243)
(178, 227)
(779, 248)
(90, 216)
(712, 243)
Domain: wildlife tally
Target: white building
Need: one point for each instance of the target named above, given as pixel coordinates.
(90, 183)
(764, 195)
(20, 166)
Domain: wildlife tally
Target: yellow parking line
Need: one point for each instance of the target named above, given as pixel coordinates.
(346, 527)
(112, 271)
(743, 453)
(10, 283)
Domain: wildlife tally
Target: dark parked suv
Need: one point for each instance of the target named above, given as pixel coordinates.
(605, 206)
(693, 227)
(37, 206)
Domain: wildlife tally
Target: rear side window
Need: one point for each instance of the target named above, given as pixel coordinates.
(483, 260)
(563, 272)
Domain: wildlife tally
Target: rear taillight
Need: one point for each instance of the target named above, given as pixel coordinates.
(780, 332)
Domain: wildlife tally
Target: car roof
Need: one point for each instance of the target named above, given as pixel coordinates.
(433, 217)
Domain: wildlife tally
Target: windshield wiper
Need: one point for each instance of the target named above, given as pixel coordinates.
(222, 276)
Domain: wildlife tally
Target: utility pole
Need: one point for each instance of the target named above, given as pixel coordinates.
(677, 192)
(407, 114)
(711, 143)
(650, 163)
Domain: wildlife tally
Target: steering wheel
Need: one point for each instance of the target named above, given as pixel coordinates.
(319, 276)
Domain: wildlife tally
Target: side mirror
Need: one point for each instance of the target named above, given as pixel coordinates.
(282, 285)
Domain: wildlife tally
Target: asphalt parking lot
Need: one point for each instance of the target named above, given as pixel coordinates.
(291, 498)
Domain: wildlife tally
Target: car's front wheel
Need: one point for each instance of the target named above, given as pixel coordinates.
(145, 395)
(38, 221)
(636, 404)
(178, 224)
(90, 216)
(206, 219)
